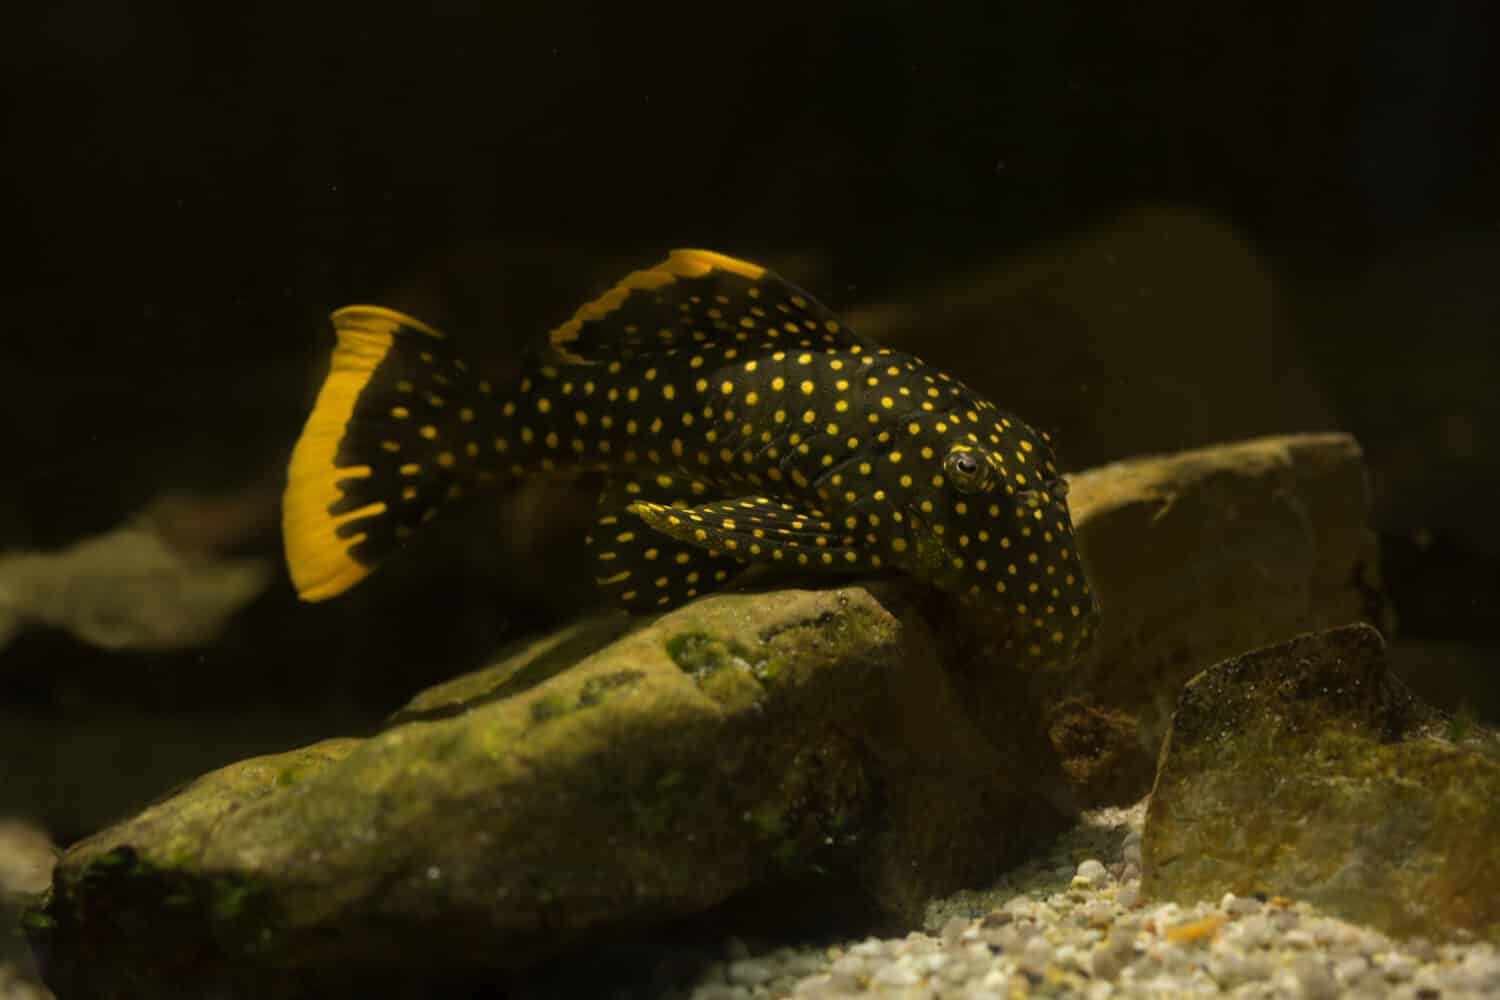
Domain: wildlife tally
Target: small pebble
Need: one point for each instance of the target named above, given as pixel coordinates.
(1313, 977)
(1002, 938)
(1483, 971)
(849, 965)
(1428, 980)
(1020, 906)
(1351, 969)
(997, 918)
(953, 931)
(1096, 913)
(844, 982)
(896, 976)
(751, 972)
(1398, 968)
(1106, 963)
(1035, 955)
(1298, 938)
(1240, 906)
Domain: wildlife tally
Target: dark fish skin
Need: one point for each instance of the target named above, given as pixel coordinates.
(739, 421)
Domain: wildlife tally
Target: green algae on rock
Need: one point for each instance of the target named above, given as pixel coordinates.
(523, 811)
(1306, 769)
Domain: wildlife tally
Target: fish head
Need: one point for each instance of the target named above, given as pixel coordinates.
(990, 522)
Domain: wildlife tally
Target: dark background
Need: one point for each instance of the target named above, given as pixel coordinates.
(1168, 224)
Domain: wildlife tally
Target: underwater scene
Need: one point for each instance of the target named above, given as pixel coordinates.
(954, 501)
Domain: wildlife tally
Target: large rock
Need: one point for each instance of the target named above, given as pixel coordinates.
(1306, 770)
(1197, 556)
(871, 741)
(514, 812)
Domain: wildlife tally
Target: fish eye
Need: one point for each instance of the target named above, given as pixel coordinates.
(968, 470)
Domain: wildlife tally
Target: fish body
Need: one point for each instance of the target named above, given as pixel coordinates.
(739, 422)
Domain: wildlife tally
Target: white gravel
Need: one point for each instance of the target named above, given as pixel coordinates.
(1071, 925)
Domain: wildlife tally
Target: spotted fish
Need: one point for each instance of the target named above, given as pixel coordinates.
(738, 422)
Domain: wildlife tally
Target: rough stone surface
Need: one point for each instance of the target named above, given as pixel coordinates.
(875, 739)
(1306, 770)
(521, 810)
(1198, 556)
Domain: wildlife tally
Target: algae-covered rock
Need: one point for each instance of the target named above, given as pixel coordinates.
(522, 810)
(1305, 769)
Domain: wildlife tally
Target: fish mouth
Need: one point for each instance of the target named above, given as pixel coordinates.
(1053, 646)
(1041, 646)
(1041, 638)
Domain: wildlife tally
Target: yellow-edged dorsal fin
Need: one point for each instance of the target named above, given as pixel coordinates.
(694, 296)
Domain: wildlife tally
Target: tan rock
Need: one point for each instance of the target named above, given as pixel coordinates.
(1305, 769)
(1160, 329)
(1196, 556)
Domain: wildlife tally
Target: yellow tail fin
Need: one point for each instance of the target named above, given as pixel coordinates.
(366, 470)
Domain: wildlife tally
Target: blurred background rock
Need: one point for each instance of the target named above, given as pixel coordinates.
(1141, 228)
